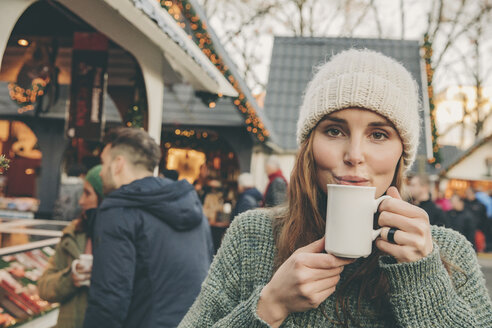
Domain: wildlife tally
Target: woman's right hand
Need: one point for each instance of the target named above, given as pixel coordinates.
(302, 282)
(80, 275)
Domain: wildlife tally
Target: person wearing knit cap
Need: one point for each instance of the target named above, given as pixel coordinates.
(358, 125)
(65, 280)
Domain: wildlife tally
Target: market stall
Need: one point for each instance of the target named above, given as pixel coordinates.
(25, 247)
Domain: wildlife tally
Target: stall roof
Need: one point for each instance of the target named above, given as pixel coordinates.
(157, 25)
(471, 164)
(254, 112)
(291, 68)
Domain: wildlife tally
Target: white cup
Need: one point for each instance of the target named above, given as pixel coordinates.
(85, 261)
(349, 220)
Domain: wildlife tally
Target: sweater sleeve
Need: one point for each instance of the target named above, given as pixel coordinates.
(423, 294)
(56, 284)
(220, 303)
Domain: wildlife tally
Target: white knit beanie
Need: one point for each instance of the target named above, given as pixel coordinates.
(364, 79)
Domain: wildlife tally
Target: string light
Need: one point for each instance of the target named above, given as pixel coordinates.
(23, 42)
(182, 10)
(26, 98)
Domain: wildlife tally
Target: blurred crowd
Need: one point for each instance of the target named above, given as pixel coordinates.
(470, 213)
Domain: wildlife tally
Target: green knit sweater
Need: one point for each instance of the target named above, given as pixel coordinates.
(422, 294)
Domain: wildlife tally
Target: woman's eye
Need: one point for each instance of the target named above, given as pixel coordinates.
(379, 135)
(333, 132)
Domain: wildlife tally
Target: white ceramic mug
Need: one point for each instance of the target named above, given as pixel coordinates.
(349, 220)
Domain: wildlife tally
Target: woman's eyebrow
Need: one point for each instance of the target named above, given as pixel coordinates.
(336, 119)
(381, 124)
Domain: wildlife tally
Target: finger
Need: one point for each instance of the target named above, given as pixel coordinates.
(317, 246)
(401, 207)
(399, 252)
(390, 219)
(393, 192)
(321, 285)
(404, 238)
(324, 261)
(312, 275)
(323, 295)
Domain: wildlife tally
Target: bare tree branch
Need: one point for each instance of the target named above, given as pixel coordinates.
(361, 18)
(402, 19)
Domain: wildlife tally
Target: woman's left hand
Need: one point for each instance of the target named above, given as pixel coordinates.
(413, 240)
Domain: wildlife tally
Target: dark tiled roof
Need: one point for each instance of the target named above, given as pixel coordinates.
(181, 106)
(291, 68)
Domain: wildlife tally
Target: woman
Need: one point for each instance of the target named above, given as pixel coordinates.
(358, 125)
(58, 282)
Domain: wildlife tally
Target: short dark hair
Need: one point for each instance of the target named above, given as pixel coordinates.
(171, 174)
(76, 170)
(138, 145)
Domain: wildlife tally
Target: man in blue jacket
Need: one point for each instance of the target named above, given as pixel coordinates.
(152, 245)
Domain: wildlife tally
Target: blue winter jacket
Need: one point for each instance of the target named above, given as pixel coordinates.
(249, 199)
(152, 249)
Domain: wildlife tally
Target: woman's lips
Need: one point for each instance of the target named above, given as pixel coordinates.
(352, 180)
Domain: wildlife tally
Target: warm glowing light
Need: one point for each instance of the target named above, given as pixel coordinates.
(212, 104)
(29, 171)
(187, 162)
(23, 42)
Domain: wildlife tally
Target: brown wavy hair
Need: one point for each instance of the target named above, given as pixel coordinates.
(302, 221)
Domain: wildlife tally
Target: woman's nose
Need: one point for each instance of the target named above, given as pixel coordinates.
(353, 153)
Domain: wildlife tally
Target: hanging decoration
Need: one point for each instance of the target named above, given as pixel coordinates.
(33, 78)
(89, 80)
(181, 10)
(427, 47)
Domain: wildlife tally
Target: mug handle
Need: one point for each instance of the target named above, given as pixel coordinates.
(377, 202)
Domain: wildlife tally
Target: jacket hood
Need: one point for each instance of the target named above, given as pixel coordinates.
(255, 193)
(174, 202)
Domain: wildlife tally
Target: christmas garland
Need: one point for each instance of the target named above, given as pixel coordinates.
(26, 98)
(427, 46)
(202, 38)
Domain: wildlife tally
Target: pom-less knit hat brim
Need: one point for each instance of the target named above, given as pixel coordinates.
(369, 80)
(95, 181)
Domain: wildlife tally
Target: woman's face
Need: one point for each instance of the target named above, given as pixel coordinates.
(356, 147)
(88, 199)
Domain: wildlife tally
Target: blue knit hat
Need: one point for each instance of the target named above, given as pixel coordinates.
(94, 179)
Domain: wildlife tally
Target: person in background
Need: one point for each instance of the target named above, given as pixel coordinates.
(66, 206)
(486, 200)
(419, 188)
(249, 197)
(201, 183)
(474, 206)
(443, 202)
(276, 190)
(58, 282)
(358, 125)
(461, 219)
(152, 243)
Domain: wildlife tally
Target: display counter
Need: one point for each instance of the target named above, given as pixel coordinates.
(25, 247)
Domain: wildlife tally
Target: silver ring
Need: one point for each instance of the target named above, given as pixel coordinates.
(391, 235)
